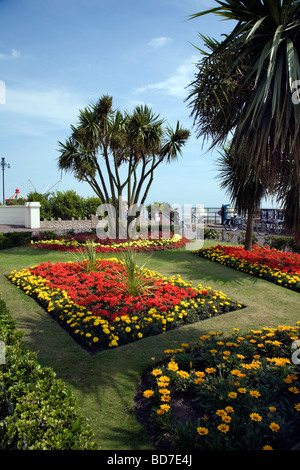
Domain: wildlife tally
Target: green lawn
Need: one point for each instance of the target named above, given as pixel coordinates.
(105, 383)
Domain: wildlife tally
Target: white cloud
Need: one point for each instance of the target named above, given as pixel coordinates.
(176, 84)
(14, 55)
(159, 42)
(34, 110)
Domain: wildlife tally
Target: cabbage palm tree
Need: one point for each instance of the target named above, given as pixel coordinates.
(251, 96)
(244, 188)
(106, 140)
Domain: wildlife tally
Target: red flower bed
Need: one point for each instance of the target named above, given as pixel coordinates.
(103, 293)
(284, 261)
(104, 308)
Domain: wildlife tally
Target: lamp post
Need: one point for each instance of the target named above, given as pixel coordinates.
(4, 165)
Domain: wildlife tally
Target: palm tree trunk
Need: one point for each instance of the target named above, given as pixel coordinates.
(249, 230)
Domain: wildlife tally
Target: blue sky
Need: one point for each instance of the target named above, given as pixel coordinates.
(57, 56)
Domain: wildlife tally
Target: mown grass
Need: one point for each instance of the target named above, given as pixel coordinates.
(105, 383)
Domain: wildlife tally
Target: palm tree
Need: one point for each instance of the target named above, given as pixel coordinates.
(244, 188)
(254, 72)
(106, 140)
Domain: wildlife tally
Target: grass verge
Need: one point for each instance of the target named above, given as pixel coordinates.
(105, 383)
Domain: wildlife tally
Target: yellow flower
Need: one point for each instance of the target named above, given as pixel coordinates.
(148, 393)
(172, 365)
(229, 409)
(156, 372)
(202, 431)
(223, 428)
(267, 447)
(255, 417)
(210, 370)
(232, 395)
(165, 407)
(254, 393)
(274, 427)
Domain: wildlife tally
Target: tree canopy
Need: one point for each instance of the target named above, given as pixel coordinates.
(115, 152)
(246, 91)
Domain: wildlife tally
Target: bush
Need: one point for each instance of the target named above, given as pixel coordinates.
(37, 411)
(282, 243)
(11, 239)
(64, 205)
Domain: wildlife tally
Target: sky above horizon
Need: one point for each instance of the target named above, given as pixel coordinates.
(58, 56)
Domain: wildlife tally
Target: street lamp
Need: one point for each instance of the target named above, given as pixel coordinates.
(4, 165)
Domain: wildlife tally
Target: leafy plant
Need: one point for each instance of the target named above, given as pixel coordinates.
(88, 257)
(133, 278)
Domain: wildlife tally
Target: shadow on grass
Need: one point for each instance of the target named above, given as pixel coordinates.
(195, 268)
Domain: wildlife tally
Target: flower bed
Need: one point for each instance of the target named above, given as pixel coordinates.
(95, 308)
(77, 242)
(236, 392)
(282, 268)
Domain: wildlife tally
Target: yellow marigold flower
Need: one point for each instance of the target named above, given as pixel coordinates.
(223, 428)
(200, 374)
(272, 409)
(165, 407)
(254, 393)
(164, 391)
(210, 370)
(172, 365)
(160, 412)
(165, 398)
(202, 431)
(148, 393)
(274, 427)
(221, 412)
(297, 407)
(226, 418)
(198, 381)
(229, 409)
(183, 374)
(255, 417)
(242, 390)
(232, 395)
(294, 390)
(156, 372)
(267, 447)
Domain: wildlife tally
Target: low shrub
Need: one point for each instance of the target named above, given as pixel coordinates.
(37, 411)
(282, 243)
(12, 239)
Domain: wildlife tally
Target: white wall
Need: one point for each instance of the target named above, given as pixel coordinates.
(27, 216)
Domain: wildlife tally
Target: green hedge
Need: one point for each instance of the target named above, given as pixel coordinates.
(11, 239)
(282, 243)
(64, 205)
(37, 411)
